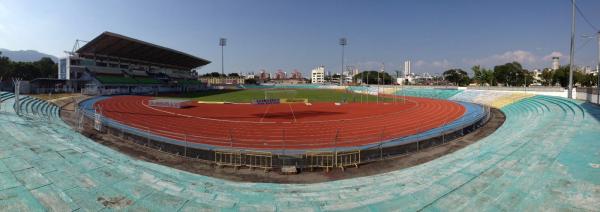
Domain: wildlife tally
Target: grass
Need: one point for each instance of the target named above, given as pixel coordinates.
(313, 95)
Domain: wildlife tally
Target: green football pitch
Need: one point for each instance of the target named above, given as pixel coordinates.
(313, 95)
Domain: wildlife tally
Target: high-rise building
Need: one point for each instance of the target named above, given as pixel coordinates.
(555, 63)
(318, 75)
(296, 74)
(280, 75)
(407, 70)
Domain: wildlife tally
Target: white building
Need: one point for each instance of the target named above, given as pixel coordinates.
(588, 70)
(555, 63)
(408, 76)
(318, 75)
(407, 70)
(537, 75)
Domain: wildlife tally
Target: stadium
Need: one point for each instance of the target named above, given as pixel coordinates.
(55, 154)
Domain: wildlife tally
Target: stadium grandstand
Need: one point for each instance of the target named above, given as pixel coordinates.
(116, 64)
(543, 158)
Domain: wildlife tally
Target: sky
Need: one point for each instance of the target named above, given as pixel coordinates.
(435, 35)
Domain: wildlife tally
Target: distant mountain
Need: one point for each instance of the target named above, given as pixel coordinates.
(25, 55)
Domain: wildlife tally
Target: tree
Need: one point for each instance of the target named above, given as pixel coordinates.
(547, 77)
(561, 76)
(373, 77)
(477, 75)
(47, 68)
(5, 67)
(233, 75)
(483, 76)
(213, 74)
(250, 81)
(488, 76)
(512, 74)
(587, 80)
(457, 76)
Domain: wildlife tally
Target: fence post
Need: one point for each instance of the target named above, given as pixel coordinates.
(417, 140)
(186, 144)
(337, 132)
(444, 135)
(122, 132)
(381, 144)
(283, 139)
(147, 136)
(377, 93)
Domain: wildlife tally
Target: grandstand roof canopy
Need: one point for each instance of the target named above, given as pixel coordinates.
(115, 45)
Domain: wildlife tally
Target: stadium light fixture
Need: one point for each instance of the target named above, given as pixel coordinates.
(222, 43)
(597, 67)
(572, 50)
(343, 43)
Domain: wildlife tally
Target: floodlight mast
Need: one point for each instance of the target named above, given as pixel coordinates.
(598, 72)
(572, 50)
(597, 67)
(222, 43)
(343, 43)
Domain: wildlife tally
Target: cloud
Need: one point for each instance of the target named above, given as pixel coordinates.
(520, 56)
(526, 58)
(3, 15)
(551, 55)
(441, 63)
(419, 63)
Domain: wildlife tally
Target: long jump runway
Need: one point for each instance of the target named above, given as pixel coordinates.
(283, 126)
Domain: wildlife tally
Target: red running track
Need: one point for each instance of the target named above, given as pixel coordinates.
(284, 126)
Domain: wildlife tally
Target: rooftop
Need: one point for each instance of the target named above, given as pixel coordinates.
(110, 44)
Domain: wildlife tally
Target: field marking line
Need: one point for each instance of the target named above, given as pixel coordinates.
(203, 118)
(304, 122)
(293, 114)
(265, 113)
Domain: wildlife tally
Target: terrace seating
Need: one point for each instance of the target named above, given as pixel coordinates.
(147, 80)
(137, 73)
(497, 99)
(105, 70)
(114, 79)
(428, 93)
(5, 95)
(190, 82)
(543, 157)
(38, 108)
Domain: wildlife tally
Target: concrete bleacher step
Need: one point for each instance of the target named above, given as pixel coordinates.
(533, 162)
(33, 106)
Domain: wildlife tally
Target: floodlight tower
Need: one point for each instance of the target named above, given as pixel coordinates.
(598, 71)
(222, 43)
(343, 43)
(572, 50)
(597, 66)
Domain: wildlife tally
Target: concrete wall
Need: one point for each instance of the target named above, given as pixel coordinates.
(548, 91)
(593, 98)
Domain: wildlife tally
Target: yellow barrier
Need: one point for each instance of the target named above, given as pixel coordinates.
(320, 160)
(236, 159)
(349, 158)
(329, 160)
(223, 158)
(263, 160)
